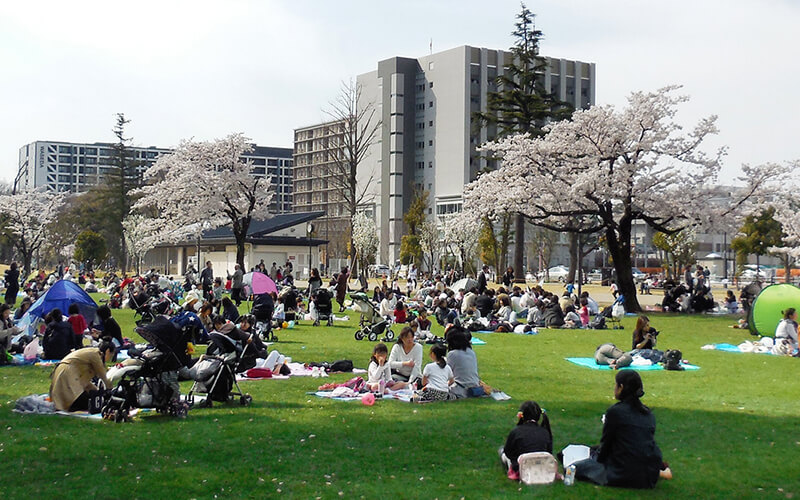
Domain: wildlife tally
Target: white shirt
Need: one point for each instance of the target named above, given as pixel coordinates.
(592, 306)
(378, 373)
(387, 306)
(438, 378)
(398, 356)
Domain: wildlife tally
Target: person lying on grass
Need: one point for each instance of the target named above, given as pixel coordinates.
(531, 434)
(436, 377)
(380, 374)
(628, 455)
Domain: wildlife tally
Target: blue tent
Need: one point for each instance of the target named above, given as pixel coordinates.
(61, 295)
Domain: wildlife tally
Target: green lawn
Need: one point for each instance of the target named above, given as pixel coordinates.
(729, 430)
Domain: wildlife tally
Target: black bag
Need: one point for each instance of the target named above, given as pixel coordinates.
(672, 360)
(97, 400)
(598, 323)
(343, 365)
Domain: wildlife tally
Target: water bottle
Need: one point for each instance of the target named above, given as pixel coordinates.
(569, 475)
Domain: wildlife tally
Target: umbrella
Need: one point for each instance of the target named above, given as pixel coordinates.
(259, 283)
(465, 283)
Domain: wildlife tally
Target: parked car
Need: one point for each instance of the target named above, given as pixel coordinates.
(752, 274)
(556, 273)
(596, 276)
(638, 275)
(380, 271)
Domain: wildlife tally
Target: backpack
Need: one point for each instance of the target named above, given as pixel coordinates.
(672, 360)
(598, 323)
(343, 365)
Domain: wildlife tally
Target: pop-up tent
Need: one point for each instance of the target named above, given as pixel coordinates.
(61, 295)
(768, 307)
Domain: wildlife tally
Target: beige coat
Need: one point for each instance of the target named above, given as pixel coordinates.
(73, 376)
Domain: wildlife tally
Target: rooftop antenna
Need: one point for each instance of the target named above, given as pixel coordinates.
(431, 46)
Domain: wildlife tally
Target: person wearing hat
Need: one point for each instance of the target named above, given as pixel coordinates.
(72, 377)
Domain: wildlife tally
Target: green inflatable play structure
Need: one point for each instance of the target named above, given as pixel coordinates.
(766, 311)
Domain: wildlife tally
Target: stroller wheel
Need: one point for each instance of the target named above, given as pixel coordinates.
(389, 335)
(207, 403)
(246, 400)
(316, 323)
(373, 336)
(359, 335)
(330, 320)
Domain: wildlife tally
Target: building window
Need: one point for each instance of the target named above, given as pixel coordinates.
(430, 164)
(64, 149)
(420, 126)
(430, 123)
(420, 165)
(430, 104)
(421, 107)
(430, 65)
(421, 145)
(430, 84)
(430, 142)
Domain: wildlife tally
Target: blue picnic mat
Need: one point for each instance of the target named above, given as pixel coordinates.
(477, 341)
(591, 363)
(733, 348)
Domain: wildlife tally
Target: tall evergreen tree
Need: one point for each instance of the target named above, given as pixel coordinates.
(118, 182)
(522, 103)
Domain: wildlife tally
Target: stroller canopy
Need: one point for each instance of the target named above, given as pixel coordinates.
(767, 310)
(61, 295)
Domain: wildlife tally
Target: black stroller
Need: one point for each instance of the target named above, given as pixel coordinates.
(263, 309)
(149, 379)
(215, 372)
(323, 303)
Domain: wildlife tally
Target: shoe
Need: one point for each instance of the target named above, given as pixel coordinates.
(513, 475)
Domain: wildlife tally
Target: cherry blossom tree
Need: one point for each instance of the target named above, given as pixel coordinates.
(365, 238)
(606, 168)
(461, 232)
(27, 215)
(203, 185)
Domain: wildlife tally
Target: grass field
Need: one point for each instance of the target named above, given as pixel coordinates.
(729, 430)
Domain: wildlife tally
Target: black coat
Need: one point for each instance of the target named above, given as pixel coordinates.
(527, 438)
(59, 339)
(553, 315)
(484, 304)
(628, 447)
(12, 286)
(481, 282)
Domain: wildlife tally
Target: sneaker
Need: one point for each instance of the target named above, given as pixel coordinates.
(513, 475)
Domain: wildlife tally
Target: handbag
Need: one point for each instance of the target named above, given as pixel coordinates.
(96, 401)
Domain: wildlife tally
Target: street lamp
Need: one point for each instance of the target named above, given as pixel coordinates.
(309, 230)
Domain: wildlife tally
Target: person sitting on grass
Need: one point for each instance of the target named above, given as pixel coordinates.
(571, 318)
(405, 360)
(229, 310)
(22, 309)
(78, 322)
(644, 336)
(387, 305)
(380, 373)
(531, 434)
(462, 360)
(72, 377)
(628, 455)
(400, 312)
(730, 303)
(59, 338)
(7, 332)
(786, 334)
(436, 377)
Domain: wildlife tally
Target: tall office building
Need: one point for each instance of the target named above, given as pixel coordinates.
(315, 189)
(76, 167)
(427, 139)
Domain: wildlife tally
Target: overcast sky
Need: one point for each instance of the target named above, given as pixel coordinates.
(181, 69)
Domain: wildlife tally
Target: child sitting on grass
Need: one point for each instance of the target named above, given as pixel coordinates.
(380, 374)
(531, 434)
(436, 377)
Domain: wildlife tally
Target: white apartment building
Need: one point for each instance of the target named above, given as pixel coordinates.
(76, 167)
(427, 138)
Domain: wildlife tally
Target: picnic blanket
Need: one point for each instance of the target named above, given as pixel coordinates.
(477, 341)
(592, 364)
(403, 395)
(297, 369)
(731, 348)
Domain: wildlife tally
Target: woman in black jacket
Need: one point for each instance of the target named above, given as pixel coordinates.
(628, 455)
(59, 338)
(12, 285)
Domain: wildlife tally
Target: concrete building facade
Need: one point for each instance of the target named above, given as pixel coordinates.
(428, 138)
(315, 187)
(76, 167)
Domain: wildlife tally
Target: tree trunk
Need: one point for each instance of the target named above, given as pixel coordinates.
(620, 250)
(573, 257)
(787, 269)
(519, 248)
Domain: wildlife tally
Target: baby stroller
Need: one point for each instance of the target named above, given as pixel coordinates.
(323, 303)
(263, 309)
(215, 373)
(614, 313)
(371, 323)
(149, 379)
